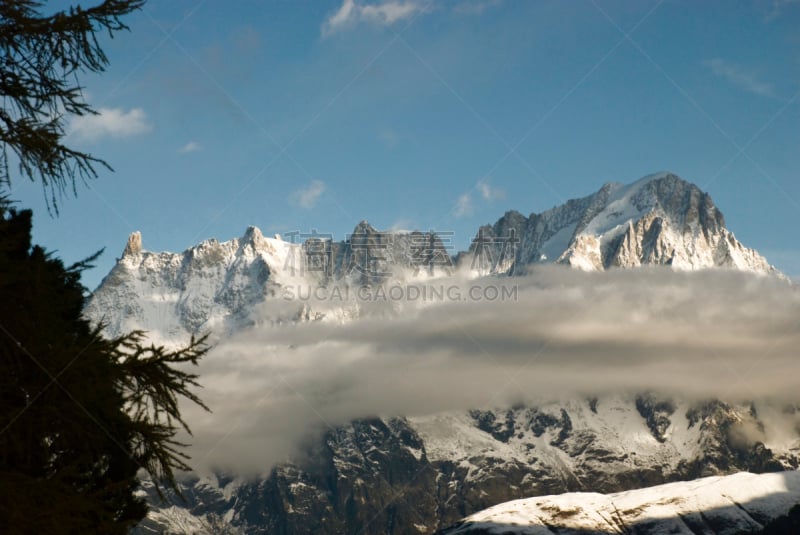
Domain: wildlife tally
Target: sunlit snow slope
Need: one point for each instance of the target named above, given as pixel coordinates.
(740, 503)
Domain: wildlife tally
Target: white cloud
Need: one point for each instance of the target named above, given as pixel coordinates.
(568, 333)
(463, 205)
(385, 13)
(490, 193)
(308, 196)
(739, 76)
(389, 12)
(191, 146)
(343, 17)
(110, 122)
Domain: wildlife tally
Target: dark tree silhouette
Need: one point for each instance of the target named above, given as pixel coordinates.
(41, 56)
(79, 414)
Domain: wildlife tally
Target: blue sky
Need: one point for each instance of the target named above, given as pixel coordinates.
(417, 114)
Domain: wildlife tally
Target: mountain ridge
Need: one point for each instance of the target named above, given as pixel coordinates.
(658, 220)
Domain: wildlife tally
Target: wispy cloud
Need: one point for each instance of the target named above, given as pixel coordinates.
(308, 196)
(490, 193)
(110, 122)
(463, 205)
(192, 146)
(569, 333)
(386, 13)
(739, 76)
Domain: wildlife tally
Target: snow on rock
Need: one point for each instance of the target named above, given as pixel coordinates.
(658, 220)
(450, 465)
(738, 503)
(215, 286)
(174, 295)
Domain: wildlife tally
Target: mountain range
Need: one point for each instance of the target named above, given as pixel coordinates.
(657, 220)
(402, 475)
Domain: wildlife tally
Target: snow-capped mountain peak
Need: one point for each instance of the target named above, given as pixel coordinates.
(173, 295)
(660, 219)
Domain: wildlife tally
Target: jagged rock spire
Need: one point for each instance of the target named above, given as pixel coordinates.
(134, 245)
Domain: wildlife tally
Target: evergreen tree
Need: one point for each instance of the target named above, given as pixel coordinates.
(41, 56)
(79, 414)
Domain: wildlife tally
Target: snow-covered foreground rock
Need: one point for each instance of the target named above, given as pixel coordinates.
(735, 504)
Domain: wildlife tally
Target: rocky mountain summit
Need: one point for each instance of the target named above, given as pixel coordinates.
(214, 285)
(658, 220)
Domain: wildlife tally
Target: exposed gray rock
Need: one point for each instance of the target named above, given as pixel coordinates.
(410, 476)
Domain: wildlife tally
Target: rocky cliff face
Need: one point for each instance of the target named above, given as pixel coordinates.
(213, 286)
(658, 220)
(172, 295)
